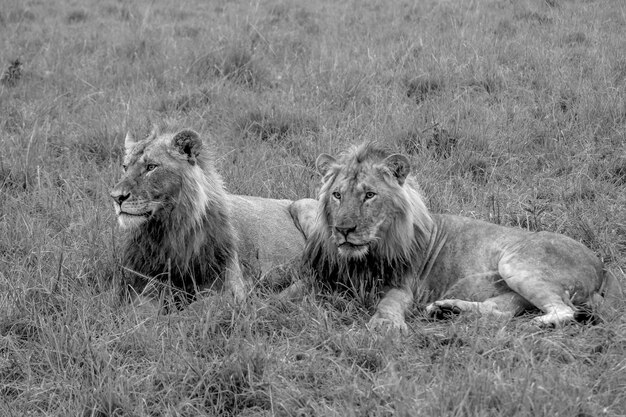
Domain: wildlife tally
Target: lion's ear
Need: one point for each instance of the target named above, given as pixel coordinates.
(188, 143)
(154, 132)
(323, 163)
(399, 166)
(129, 142)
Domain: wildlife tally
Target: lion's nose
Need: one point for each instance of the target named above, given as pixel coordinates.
(345, 230)
(119, 196)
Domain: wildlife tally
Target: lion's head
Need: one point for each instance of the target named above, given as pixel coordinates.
(172, 205)
(162, 172)
(373, 220)
(367, 207)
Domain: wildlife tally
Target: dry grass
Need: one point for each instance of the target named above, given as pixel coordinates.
(513, 112)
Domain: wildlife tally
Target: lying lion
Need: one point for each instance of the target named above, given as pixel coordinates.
(184, 230)
(374, 233)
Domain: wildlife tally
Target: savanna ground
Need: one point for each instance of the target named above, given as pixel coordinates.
(511, 111)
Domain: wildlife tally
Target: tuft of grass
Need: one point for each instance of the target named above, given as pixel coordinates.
(139, 49)
(77, 16)
(504, 29)
(18, 15)
(235, 63)
(489, 83)
(274, 125)
(13, 121)
(435, 140)
(534, 17)
(421, 88)
(184, 103)
(575, 38)
(122, 13)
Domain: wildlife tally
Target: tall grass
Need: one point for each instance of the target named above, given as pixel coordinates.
(513, 112)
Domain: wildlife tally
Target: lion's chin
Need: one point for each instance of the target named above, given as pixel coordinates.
(348, 250)
(131, 221)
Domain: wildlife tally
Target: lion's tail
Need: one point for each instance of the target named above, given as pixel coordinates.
(610, 287)
(610, 290)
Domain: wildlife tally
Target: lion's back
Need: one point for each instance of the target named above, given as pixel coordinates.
(479, 251)
(266, 233)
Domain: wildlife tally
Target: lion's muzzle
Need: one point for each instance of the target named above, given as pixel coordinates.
(119, 196)
(344, 235)
(129, 210)
(345, 230)
(347, 242)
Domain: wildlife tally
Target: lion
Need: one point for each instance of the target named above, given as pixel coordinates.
(184, 230)
(373, 233)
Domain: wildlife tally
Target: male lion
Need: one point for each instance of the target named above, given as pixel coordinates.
(185, 230)
(374, 233)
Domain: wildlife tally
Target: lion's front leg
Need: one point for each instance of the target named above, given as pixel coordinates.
(234, 280)
(390, 310)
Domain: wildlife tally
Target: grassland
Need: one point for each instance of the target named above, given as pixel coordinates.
(511, 111)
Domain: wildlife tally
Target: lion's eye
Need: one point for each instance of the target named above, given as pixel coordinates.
(337, 195)
(370, 195)
(150, 167)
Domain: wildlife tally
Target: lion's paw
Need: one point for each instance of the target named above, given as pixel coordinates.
(554, 319)
(378, 322)
(442, 310)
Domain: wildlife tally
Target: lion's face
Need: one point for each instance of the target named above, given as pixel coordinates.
(154, 173)
(362, 200)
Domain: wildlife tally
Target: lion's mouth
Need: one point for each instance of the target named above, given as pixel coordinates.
(351, 246)
(144, 214)
(348, 242)
(130, 212)
(353, 250)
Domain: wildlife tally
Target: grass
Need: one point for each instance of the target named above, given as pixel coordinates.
(513, 112)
